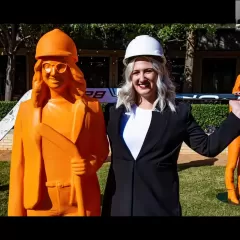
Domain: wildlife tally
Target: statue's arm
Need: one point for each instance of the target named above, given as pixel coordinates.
(99, 143)
(15, 201)
(236, 87)
(234, 146)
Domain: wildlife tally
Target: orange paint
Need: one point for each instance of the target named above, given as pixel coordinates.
(60, 139)
(233, 156)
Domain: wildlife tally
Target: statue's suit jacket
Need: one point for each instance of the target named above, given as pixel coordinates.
(88, 133)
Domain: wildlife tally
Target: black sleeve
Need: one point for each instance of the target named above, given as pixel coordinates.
(211, 145)
(108, 109)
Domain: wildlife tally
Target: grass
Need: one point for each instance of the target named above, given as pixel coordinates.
(202, 190)
(4, 180)
(203, 193)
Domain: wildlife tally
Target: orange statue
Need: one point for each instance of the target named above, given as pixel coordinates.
(60, 139)
(233, 157)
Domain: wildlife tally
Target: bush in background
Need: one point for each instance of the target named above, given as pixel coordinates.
(6, 107)
(208, 116)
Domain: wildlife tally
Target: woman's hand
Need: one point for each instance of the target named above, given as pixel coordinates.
(235, 105)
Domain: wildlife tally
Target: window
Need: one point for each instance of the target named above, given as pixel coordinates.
(218, 75)
(176, 72)
(96, 71)
(120, 70)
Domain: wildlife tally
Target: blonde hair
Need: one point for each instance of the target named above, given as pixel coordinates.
(165, 88)
(40, 90)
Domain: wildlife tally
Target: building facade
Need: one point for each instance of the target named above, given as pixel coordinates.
(216, 65)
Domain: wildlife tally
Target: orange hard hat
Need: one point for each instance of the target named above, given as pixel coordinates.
(56, 43)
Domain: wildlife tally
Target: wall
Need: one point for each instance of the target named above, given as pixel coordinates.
(6, 142)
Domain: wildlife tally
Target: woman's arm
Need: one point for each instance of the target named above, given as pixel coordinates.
(211, 145)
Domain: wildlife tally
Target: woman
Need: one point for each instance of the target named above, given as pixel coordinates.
(146, 129)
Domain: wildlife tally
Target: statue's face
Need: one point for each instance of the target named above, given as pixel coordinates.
(56, 73)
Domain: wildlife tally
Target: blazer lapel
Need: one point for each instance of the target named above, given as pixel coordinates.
(157, 128)
(79, 109)
(156, 131)
(116, 120)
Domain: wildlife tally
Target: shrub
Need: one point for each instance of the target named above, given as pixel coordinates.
(207, 115)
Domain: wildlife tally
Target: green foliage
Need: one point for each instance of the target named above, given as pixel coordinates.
(4, 186)
(205, 114)
(172, 32)
(103, 105)
(178, 31)
(6, 107)
(30, 33)
(35, 31)
(210, 114)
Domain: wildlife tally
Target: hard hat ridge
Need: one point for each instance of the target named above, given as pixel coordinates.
(143, 45)
(56, 43)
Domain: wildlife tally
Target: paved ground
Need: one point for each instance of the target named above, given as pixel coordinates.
(198, 160)
(5, 155)
(185, 159)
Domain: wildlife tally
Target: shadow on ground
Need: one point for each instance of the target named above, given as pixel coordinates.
(223, 197)
(4, 188)
(197, 163)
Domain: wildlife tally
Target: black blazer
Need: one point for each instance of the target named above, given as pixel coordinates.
(149, 185)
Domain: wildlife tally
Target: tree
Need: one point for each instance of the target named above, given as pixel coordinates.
(13, 36)
(187, 34)
(106, 33)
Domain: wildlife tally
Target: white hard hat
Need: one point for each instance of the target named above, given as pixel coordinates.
(143, 45)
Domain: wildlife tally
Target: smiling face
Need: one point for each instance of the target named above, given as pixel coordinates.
(144, 78)
(55, 73)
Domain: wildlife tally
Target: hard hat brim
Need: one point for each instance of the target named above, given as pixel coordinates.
(158, 58)
(59, 54)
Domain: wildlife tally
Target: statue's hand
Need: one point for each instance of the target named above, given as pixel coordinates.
(79, 166)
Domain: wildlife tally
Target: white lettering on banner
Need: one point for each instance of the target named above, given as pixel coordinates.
(104, 95)
(191, 97)
(209, 96)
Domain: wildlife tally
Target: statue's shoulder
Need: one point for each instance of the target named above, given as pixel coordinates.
(25, 105)
(92, 103)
